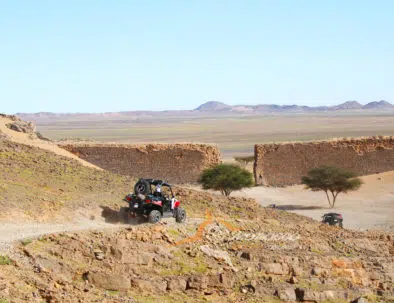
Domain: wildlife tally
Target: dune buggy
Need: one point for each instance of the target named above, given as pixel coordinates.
(333, 219)
(154, 204)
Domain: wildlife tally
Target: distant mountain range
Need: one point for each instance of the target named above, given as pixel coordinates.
(214, 108)
(269, 108)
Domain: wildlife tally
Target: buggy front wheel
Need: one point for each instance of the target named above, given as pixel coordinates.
(180, 215)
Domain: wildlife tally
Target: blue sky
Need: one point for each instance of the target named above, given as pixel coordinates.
(94, 56)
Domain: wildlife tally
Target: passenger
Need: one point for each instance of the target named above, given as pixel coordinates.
(158, 190)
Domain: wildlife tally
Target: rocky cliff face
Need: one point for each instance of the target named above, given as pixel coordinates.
(178, 163)
(285, 164)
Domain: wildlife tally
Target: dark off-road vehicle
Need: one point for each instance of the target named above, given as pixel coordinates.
(332, 219)
(154, 204)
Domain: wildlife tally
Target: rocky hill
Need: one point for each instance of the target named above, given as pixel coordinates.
(348, 105)
(378, 105)
(213, 106)
(16, 130)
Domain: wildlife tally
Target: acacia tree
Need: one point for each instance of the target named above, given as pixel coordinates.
(226, 178)
(331, 180)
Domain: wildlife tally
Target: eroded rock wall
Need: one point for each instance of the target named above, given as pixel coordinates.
(285, 164)
(177, 163)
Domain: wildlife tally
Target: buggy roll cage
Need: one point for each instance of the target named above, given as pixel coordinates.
(159, 182)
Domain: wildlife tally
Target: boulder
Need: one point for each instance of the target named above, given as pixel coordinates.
(121, 252)
(176, 284)
(197, 282)
(287, 294)
(227, 279)
(109, 281)
(218, 255)
(144, 259)
(360, 300)
(151, 286)
(275, 268)
(214, 281)
(119, 249)
(57, 269)
(22, 126)
(223, 280)
(304, 294)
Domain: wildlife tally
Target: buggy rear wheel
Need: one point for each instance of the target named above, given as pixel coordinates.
(154, 216)
(180, 215)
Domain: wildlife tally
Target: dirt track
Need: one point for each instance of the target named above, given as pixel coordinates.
(11, 232)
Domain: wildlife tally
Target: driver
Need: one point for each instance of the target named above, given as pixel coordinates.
(158, 190)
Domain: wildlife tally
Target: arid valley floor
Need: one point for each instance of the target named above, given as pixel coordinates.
(63, 237)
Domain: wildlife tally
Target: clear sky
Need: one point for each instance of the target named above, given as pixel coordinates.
(94, 56)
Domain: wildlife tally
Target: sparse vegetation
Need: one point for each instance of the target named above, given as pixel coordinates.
(244, 161)
(331, 180)
(26, 241)
(50, 183)
(5, 260)
(40, 136)
(226, 178)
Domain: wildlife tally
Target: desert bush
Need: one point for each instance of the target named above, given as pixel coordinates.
(226, 178)
(331, 180)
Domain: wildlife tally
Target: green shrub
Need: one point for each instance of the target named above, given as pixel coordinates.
(226, 178)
